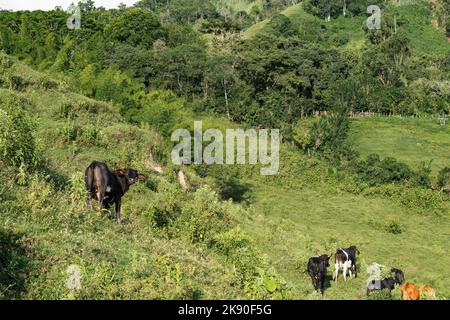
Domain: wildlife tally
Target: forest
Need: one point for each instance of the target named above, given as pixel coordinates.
(115, 89)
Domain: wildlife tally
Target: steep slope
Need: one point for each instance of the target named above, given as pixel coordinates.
(348, 32)
(172, 244)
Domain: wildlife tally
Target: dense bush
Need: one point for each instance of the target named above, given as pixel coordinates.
(443, 181)
(17, 141)
(377, 171)
(384, 294)
(327, 135)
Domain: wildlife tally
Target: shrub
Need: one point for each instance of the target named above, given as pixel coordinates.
(394, 227)
(78, 193)
(229, 186)
(422, 177)
(203, 217)
(14, 82)
(167, 207)
(328, 135)
(266, 286)
(71, 110)
(379, 171)
(40, 195)
(384, 294)
(409, 197)
(17, 140)
(237, 247)
(69, 132)
(66, 110)
(162, 110)
(90, 135)
(443, 181)
(5, 67)
(45, 82)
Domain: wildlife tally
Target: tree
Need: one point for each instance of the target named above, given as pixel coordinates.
(220, 80)
(386, 60)
(137, 27)
(6, 40)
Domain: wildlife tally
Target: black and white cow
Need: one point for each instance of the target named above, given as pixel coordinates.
(345, 259)
(317, 269)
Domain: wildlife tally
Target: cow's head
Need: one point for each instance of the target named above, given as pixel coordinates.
(355, 249)
(325, 259)
(131, 175)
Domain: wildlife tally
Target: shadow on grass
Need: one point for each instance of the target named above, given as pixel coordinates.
(15, 266)
(328, 281)
(230, 187)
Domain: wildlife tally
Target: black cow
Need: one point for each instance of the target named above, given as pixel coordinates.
(345, 258)
(109, 187)
(387, 283)
(399, 276)
(317, 269)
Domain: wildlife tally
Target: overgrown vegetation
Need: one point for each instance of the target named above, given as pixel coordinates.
(173, 244)
(115, 90)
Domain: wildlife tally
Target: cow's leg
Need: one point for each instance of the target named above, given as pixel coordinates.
(89, 201)
(336, 272)
(314, 281)
(118, 208)
(322, 283)
(101, 198)
(345, 271)
(355, 269)
(350, 269)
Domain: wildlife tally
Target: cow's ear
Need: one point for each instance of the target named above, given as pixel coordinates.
(141, 177)
(120, 172)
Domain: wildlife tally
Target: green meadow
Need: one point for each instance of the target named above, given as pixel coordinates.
(412, 140)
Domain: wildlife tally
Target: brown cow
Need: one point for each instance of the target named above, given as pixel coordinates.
(410, 292)
(427, 291)
(109, 187)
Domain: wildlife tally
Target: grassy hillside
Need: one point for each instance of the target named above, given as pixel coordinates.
(305, 211)
(413, 141)
(348, 32)
(257, 27)
(156, 253)
(198, 243)
(45, 226)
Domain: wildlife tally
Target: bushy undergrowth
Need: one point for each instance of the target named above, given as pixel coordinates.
(17, 138)
(173, 244)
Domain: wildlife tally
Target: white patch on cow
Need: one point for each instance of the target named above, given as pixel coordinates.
(108, 189)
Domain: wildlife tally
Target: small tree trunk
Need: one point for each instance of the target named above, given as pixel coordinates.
(226, 97)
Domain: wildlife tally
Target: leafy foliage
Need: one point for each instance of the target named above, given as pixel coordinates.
(17, 141)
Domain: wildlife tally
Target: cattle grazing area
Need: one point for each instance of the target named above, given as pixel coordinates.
(92, 206)
(171, 243)
(185, 241)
